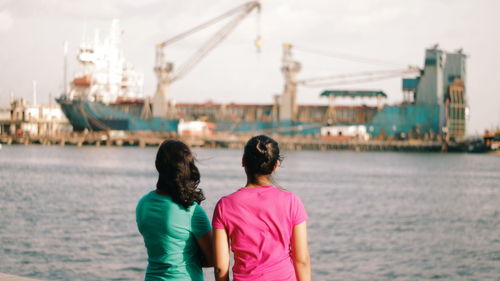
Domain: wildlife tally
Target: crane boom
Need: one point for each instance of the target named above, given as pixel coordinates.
(214, 41)
(360, 77)
(290, 68)
(162, 106)
(204, 25)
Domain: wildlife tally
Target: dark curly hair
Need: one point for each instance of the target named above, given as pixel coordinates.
(260, 156)
(178, 175)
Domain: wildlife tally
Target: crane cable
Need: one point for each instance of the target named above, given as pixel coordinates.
(369, 74)
(348, 75)
(258, 39)
(354, 81)
(347, 57)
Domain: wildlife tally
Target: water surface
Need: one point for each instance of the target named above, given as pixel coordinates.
(67, 213)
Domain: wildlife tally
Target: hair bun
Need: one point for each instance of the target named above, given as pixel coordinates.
(260, 155)
(261, 147)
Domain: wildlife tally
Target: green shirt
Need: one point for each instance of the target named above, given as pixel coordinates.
(170, 232)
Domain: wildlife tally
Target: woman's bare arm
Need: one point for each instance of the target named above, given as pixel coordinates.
(221, 255)
(205, 243)
(300, 252)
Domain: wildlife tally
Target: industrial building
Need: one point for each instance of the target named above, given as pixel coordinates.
(24, 119)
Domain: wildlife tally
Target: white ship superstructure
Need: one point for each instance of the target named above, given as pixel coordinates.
(105, 75)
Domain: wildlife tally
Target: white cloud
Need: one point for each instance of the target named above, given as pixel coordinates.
(6, 21)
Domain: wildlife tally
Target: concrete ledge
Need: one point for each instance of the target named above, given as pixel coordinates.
(7, 277)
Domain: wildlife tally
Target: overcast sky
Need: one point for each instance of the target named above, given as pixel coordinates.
(32, 35)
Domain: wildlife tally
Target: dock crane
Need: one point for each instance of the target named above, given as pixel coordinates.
(290, 68)
(164, 69)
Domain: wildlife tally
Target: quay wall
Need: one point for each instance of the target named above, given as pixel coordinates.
(296, 143)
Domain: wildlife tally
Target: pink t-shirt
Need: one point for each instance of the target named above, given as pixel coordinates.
(259, 222)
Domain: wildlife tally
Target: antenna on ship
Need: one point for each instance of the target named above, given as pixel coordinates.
(34, 92)
(84, 35)
(65, 74)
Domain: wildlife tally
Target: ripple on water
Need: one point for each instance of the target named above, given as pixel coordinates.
(70, 214)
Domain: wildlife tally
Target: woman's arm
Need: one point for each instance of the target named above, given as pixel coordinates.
(205, 243)
(300, 252)
(221, 255)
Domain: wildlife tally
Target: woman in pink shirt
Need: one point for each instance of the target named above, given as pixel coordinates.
(264, 226)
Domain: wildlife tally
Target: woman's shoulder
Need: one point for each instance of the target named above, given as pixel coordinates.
(196, 209)
(144, 202)
(231, 197)
(146, 197)
(284, 195)
(226, 198)
(283, 192)
(154, 199)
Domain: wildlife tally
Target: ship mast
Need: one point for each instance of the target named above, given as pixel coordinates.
(65, 69)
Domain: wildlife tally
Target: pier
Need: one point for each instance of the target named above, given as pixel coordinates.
(233, 141)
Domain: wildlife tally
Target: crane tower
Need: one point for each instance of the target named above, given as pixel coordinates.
(288, 101)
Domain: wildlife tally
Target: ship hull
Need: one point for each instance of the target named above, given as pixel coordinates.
(412, 121)
(96, 116)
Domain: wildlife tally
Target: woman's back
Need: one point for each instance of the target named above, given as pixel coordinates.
(263, 225)
(259, 221)
(170, 232)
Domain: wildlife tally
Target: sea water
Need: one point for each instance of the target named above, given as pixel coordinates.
(68, 213)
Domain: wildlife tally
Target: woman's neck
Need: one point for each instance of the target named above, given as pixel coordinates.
(257, 181)
(161, 192)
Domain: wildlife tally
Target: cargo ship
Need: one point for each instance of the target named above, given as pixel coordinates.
(107, 92)
(107, 95)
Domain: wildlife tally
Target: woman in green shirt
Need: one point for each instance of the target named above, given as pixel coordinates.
(176, 230)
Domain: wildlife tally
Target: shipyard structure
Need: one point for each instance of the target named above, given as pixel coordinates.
(433, 105)
(107, 95)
